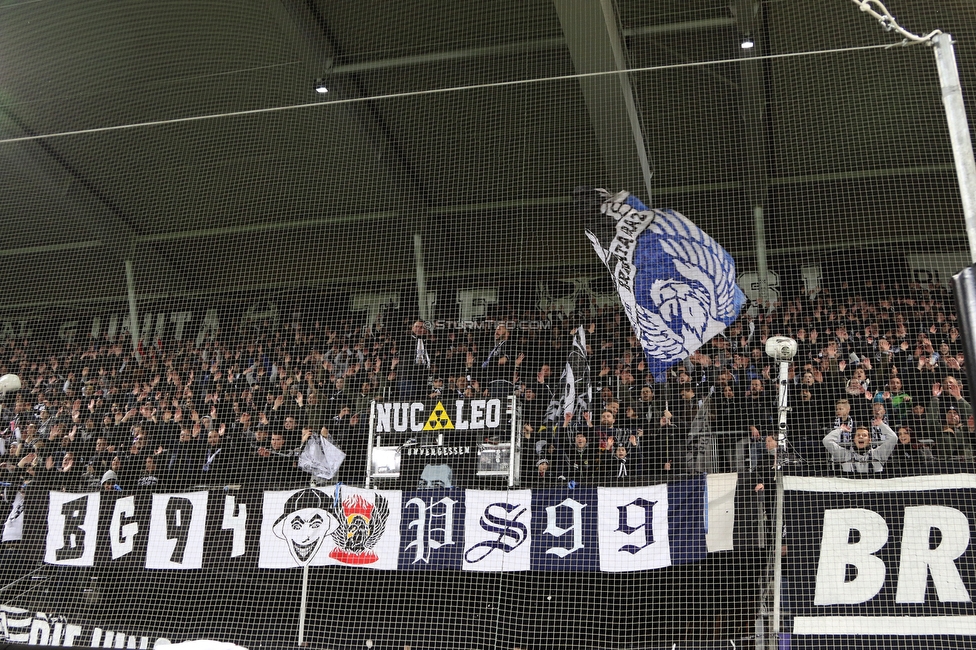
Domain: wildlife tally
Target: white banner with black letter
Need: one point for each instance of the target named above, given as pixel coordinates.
(72, 526)
(497, 530)
(177, 529)
(633, 528)
(888, 558)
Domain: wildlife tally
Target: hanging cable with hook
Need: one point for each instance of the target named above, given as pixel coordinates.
(876, 9)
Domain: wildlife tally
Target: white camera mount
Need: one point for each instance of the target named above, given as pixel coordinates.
(783, 349)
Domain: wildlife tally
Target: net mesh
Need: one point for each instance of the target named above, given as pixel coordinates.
(222, 281)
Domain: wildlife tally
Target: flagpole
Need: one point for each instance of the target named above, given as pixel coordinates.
(369, 443)
(301, 610)
(958, 123)
(782, 349)
(777, 562)
(515, 427)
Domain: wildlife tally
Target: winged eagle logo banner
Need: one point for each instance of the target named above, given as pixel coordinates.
(676, 284)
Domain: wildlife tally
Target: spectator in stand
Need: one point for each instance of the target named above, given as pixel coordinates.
(69, 476)
(648, 407)
(806, 417)
(279, 469)
(339, 399)
(905, 342)
(660, 451)
(757, 406)
(946, 396)
(631, 421)
(622, 465)
(181, 468)
(436, 390)
(218, 467)
(110, 482)
(843, 340)
(686, 407)
(918, 422)
(133, 462)
(925, 375)
(627, 392)
(499, 371)
(860, 401)
(844, 421)
(413, 366)
(463, 388)
(861, 459)
(757, 368)
(542, 477)
(149, 480)
(878, 414)
(361, 404)
(533, 409)
(897, 402)
(607, 432)
(91, 479)
(581, 460)
(602, 390)
(291, 431)
(29, 437)
(909, 456)
(955, 441)
(755, 455)
(168, 429)
(725, 408)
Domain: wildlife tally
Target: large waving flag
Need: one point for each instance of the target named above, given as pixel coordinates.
(676, 283)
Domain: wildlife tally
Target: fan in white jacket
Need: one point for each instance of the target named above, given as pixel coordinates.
(861, 457)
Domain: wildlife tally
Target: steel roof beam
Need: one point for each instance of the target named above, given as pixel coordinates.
(595, 45)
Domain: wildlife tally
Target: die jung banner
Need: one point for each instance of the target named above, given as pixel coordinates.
(595, 529)
(880, 563)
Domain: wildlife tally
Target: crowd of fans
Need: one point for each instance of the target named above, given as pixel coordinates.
(239, 409)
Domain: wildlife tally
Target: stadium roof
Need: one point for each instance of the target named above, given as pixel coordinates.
(189, 137)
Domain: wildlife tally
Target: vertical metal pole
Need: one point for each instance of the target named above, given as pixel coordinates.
(784, 408)
(775, 627)
(369, 444)
(301, 611)
(759, 225)
(964, 290)
(962, 145)
(133, 313)
(418, 255)
(512, 402)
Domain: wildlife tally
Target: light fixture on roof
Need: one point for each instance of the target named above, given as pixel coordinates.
(320, 86)
(747, 43)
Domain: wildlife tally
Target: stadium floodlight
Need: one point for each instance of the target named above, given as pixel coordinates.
(320, 86)
(747, 43)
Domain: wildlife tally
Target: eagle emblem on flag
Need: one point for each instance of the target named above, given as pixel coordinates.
(361, 525)
(676, 284)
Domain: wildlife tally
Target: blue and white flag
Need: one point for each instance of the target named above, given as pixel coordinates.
(676, 283)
